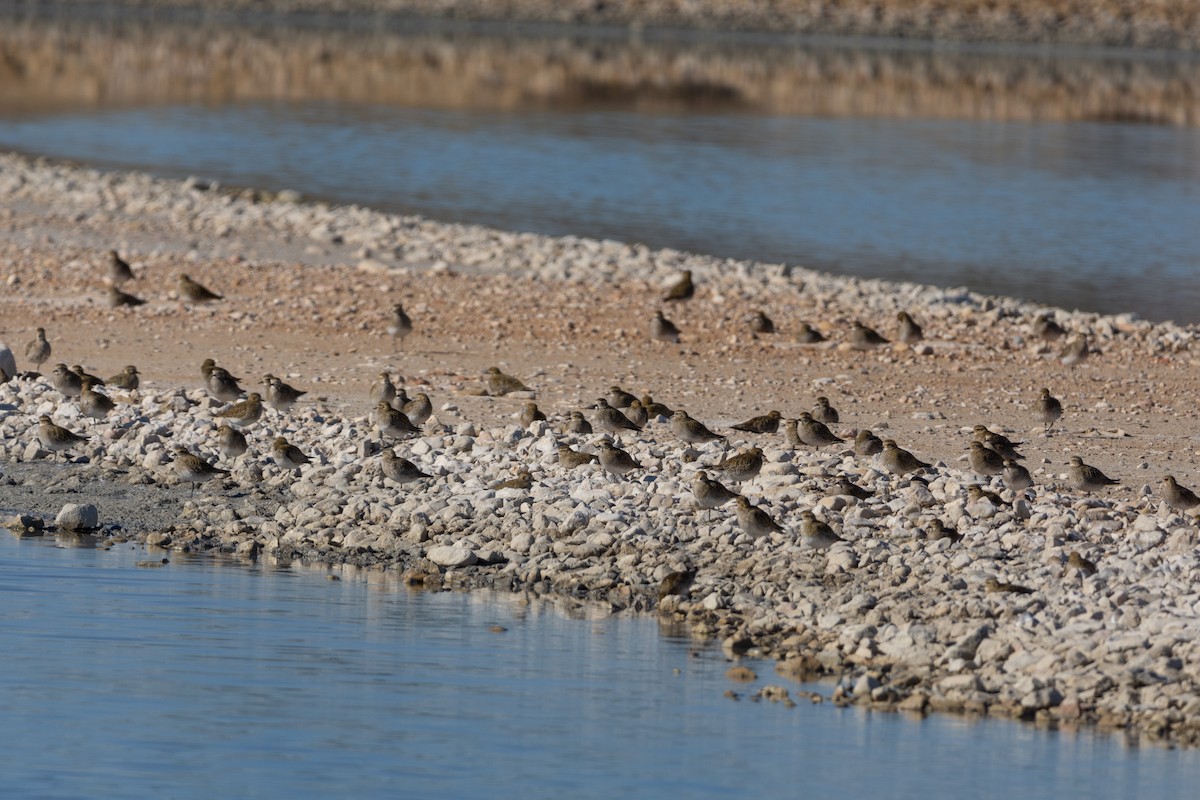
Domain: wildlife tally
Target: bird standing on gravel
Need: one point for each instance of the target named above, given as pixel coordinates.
(126, 380)
(867, 443)
(579, 424)
(572, 459)
(808, 431)
(419, 409)
(824, 412)
(741, 467)
(281, 396)
(1016, 477)
(288, 455)
(864, 338)
(231, 441)
(690, 430)
(399, 325)
(66, 382)
(400, 470)
(245, 413)
(761, 323)
(223, 386)
(710, 494)
(615, 460)
(984, 461)
(38, 350)
(118, 298)
(500, 384)
(807, 334)
(194, 292)
(191, 468)
(119, 270)
(1086, 477)
(663, 330)
(530, 414)
(816, 534)
(383, 390)
(755, 522)
(682, 289)
(899, 461)
(1178, 497)
(1049, 409)
(612, 420)
(393, 423)
(765, 423)
(56, 438)
(908, 332)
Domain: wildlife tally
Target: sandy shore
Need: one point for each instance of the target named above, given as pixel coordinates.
(905, 621)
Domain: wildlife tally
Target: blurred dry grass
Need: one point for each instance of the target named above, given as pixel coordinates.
(47, 65)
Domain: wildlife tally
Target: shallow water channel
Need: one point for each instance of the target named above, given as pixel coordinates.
(205, 678)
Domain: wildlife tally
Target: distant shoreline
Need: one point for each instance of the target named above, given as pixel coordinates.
(1109, 24)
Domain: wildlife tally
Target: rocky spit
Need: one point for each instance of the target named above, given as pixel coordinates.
(1051, 604)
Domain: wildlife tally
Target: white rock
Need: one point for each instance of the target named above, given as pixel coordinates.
(451, 555)
(78, 517)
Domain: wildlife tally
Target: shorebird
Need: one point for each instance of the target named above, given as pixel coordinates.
(677, 583)
(56, 438)
(118, 298)
(1178, 497)
(808, 431)
(522, 481)
(1047, 329)
(393, 423)
(1016, 477)
(898, 460)
(908, 332)
(1086, 477)
(936, 529)
(382, 390)
(1082, 565)
(399, 325)
(741, 467)
(824, 412)
(530, 414)
(690, 430)
(1002, 446)
(755, 522)
(191, 468)
(765, 423)
(223, 386)
(864, 338)
(867, 443)
(710, 494)
(194, 292)
(231, 441)
(655, 410)
(38, 350)
(994, 585)
(984, 461)
(1049, 409)
(845, 486)
(126, 380)
(611, 420)
(663, 330)
(682, 289)
(419, 409)
(1075, 351)
(281, 396)
(615, 460)
(579, 424)
(807, 334)
(975, 493)
(94, 404)
(816, 534)
(119, 270)
(572, 459)
(500, 384)
(619, 398)
(245, 413)
(66, 382)
(637, 414)
(400, 470)
(87, 377)
(288, 455)
(761, 323)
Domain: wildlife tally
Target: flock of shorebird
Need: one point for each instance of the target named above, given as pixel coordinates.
(398, 416)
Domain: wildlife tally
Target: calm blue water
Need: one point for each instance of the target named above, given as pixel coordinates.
(1084, 215)
(210, 679)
